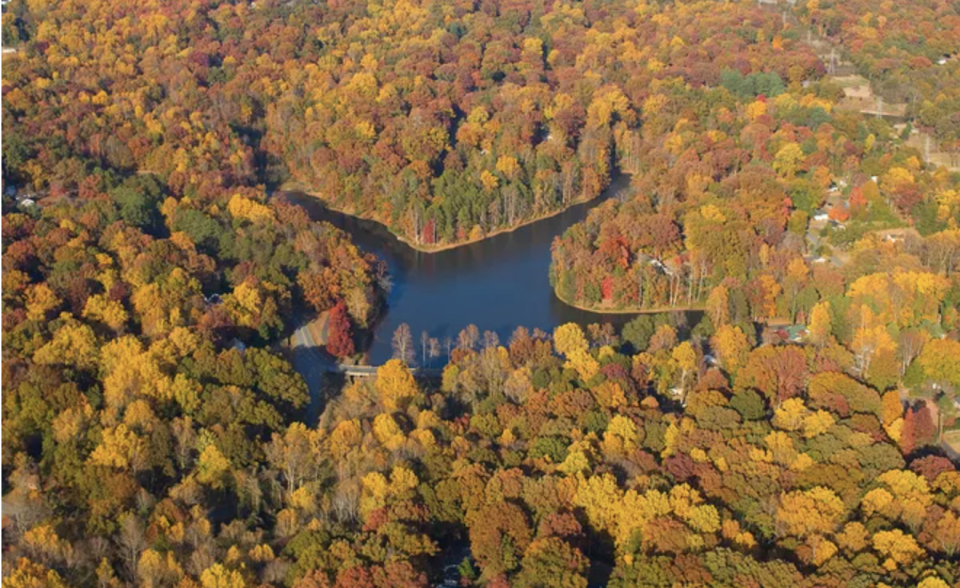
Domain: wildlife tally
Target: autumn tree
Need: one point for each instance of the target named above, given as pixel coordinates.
(395, 385)
(339, 337)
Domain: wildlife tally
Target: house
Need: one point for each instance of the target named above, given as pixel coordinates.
(796, 333)
(783, 333)
(662, 267)
(821, 217)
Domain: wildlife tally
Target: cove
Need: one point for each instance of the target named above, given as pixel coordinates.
(497, 284)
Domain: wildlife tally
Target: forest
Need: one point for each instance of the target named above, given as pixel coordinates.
(472, 120)
(793, 430)
(909, 51)
(729, 179)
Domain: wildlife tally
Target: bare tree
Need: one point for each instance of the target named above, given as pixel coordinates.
(910, 343)
(292, 457)
(201, 558)
(275, 572)
(468, 337)
(448, 343)
(491, 370)
(403, 344)
(184, 440)
(382, 275)
(602, 334)
(346, 501)
(248, 489)
(434, 350)
(130, 542)
(24, 505)
(424, 344)
(490, 339)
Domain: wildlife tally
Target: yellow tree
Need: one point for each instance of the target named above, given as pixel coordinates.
(73, 344)
(131, 372)
(820, 325)
(621, 436)
(569, 339)
(731, 346)
(796, 278)
(154, 570)
(28, 574)
(903, 496)
(940, 360)
(395, 385)
(120, 448)
(218, 576)
(600, 497)
(40, 301)
(346, 436)
(812, 516)
(584, 363)
(898, 548)
(212, 467)
(685, 359)
(892, 414)
(869, 338)
(387, 432)
(803, 513)
(718, 306)
(109, 312)
(787, 160)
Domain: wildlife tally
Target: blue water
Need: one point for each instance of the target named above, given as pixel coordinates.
(497, 284)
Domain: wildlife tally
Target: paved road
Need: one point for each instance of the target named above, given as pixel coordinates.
(312, 364)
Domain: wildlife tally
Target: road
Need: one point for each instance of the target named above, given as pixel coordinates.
(313, 365)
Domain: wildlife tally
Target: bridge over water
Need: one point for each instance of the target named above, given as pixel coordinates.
(367, 371)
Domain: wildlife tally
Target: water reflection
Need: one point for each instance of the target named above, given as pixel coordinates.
(497, 284)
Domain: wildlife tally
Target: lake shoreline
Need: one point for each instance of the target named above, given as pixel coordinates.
(497, 283)
(651, 310)
(294, 187)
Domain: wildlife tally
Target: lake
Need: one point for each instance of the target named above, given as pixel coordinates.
(497, 284)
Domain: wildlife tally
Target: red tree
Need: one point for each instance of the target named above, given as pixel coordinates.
(607, 288)
(430, 232)
(857, 200)
(339, 338)
(908, 436)
(924, 427)
(932, 466)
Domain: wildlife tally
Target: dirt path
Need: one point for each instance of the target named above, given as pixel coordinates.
(926, 145)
